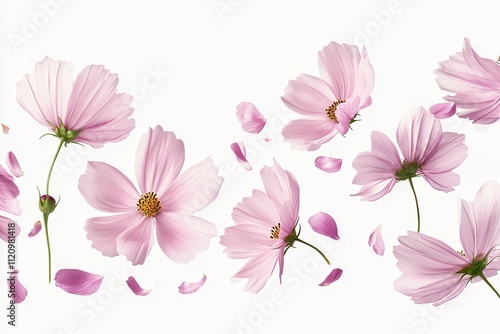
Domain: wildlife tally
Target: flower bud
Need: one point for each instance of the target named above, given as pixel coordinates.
(47, 204)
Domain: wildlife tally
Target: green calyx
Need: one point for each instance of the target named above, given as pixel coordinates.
(67, 136)
(47, 204)
(476, 268)
(408, 171)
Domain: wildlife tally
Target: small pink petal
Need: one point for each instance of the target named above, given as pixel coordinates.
(136, 288)
(328, 164)
(35, 230)
(443, 110)
(376, 240)
(15, 287)
(5, 129)
(78, 282)
(238, 149)
(186, 287)
(267, 139)
(13, 165)
(324, 224)
(332, 277)
(250, 117)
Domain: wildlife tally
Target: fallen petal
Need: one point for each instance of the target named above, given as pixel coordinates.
(136, 288)
(35, 230)
(186, 287)
(443, 110)
(13, 165)
(250, 117)
(324, 224)
(332, 277)
(266, 139)
(78, 282)
(5, 129)
(376, 240)
(238, 149)
(13, 284)
(328, 164)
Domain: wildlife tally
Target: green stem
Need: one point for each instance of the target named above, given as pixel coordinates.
(46, 224)
(489, 284)
(416, 203)
(52, 166)
(317, 250)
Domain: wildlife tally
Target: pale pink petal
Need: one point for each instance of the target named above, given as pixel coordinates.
(364, 81)
(136, 288)
(107, 189)
(309, 134)
(250, 117)
(257, 270)
(332, 277)
(346, 112)
(159, 160)
(239, 150)
(267, 139)
(7, 231)
(443, 110)
(15, 288)
(193, 190)
(35, 230)
(8, 193)
(182, 237)
(281, 185)
(328, 164)
(78, 282)
(376, 242)
(324, 224)
(45, 92)
(13, 165)
(136, 242)
(186, 287)
(5, 129)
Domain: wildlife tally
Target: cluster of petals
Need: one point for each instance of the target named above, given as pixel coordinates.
(328, 103)
(433, 272)
(427, 151)
(8, 199)
(166, 202)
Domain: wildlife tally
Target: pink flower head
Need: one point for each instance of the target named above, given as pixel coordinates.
(475, 81)
(250, 117)
(331, 102)
(265, 226)
(87, 111)
(166, 202)
(433, 272)
(427, 151)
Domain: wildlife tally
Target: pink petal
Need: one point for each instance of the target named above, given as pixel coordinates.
(238, 149)
(267, 139)
(309, 134)
(35, 230)
(332, 277)
(13, 165)
(136, 288)
(281, 185)
(186, 287)
(8, 193)
(346, 112)
(375, 240)
(258, 270)
(250, 117)
(18, 290)
(324, 224)
(443, 110)
(328, 164)
(5, 129)
(7, 231)
(78, 282)
(136, 242)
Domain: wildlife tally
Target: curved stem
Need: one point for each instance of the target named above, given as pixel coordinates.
(416, 203)
(52, 166)
(45, 222)
(489, 284)
(317, 250)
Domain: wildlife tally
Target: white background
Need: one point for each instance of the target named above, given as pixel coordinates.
(207, 61)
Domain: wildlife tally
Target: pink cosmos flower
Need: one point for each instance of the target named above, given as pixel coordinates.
(427, 151)
(331, 102)
(475, 81)
(250, 117)
(265, 226)
(433, 272)
(87, 111)
(166, 202)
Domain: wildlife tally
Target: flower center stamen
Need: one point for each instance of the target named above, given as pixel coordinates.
(330, 111)
(149, 204)
(275, 231)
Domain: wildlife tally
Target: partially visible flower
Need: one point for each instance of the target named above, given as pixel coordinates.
(13, 165)
(35, 230)
(475, 81)
(324, 224)
(78, 282)
(332, 277)
(15, 288)
(376, 242)
(250, 117)
(443, 110)
(328, 164)
(166, 202)
(136, 288)
(187, 287)
(238, 149)
(8, 228)
(433, 272)
(331, 102)
(5, 129)
(86, 111)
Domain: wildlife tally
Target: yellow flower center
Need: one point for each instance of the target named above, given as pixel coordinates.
(330, 111)
(275, 231)
(149, 205)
